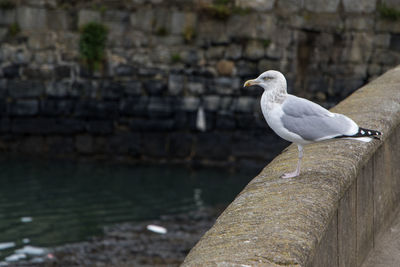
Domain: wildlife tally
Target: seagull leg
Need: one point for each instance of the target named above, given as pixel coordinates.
(297, 171)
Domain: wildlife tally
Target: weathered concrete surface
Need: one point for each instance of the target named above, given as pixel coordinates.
(386, 252)
(329, 215)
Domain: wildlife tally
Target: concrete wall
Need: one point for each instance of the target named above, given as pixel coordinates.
(332, 213)
(164, 59)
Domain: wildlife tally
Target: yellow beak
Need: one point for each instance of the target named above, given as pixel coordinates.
(249, 83)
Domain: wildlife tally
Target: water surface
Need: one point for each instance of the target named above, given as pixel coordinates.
(49, 203)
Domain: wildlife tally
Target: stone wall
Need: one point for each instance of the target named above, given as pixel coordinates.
(166, 59)
(331, 215)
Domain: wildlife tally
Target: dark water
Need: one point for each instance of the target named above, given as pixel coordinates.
(56, 202)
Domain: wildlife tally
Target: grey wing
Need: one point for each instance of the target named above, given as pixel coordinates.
(313, 122)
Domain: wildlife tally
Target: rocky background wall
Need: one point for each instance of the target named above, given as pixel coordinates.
(165, 61)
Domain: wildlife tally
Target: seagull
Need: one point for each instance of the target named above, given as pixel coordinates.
(301, 121)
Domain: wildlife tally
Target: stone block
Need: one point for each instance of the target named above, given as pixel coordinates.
(245, 104)
(124, 143)
(180, 21)
(226, 86)
(45, 57)
(135, 106)
(84, 144)
(346, 86)
(347, 228)
(46, 126)
(211, 102)
(360, 49)
(32, 145)
(3, 87)
(268, 64)
(382, 40)
(189, 103)
(38, 73)
(394, 42)
(155, 87)
(25, 88)
(100, 127)
(151, 125)
(392, 3)
(3, 35)
(7, 16)
(326, 22)
(142, 20)
(225, 121)
(359, 23)
(328, 6)
(365, 212)
(5, 125)
(195, 87)
(11, 71)
(159, 107)
(60, 20)
(274, 51)
(385, 182)
(58, 89)
(253, 144)
(56, 107)
(162, 20)
(242, 26)
(258, 5)
(132, 88)
(326, 253)
(116, 15)
(62, 72)
(226, 104)
(385, 57)
(226, 67)
(22, 56)
(247, 69)
(41, 3)
(245, 121)
(154, 145)
(215, 52)
(59, 145)
(148, 72)
(175, 84)
(96, 109)
(384, 25)
(233, 52)
(111, 90)
(215, 146)
(86, 16)
(125, 70)
(374, 69)
(290, 6)
(69, 41)
(24, 107)
(266, 27)
(29, 18)
(366, 6)
(192, 57)
(211, 32)
(181, 145)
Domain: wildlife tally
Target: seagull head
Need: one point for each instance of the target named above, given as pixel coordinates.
(268, 80)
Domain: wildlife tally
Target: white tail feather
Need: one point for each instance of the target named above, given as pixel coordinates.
(362, 139)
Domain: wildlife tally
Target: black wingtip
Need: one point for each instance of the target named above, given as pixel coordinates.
(362, 132)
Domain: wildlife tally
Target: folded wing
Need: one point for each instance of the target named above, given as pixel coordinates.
(313, 122)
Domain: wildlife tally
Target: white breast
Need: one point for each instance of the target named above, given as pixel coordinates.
(272, 113)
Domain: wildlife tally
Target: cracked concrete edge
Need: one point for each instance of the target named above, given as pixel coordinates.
(279, 222)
